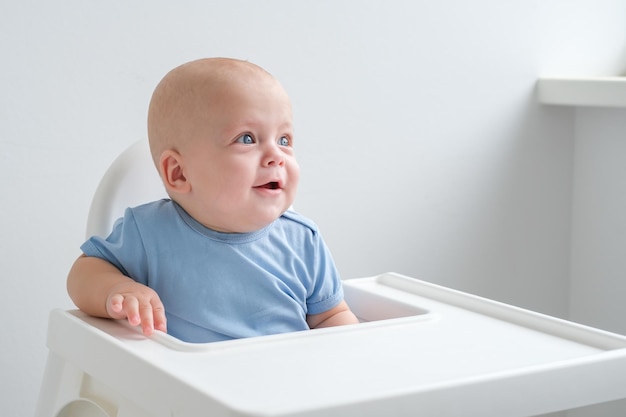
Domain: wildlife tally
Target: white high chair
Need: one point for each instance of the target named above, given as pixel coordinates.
(131, 180)
(422, 349)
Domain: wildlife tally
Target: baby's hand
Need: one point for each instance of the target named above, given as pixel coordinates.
(139, 304)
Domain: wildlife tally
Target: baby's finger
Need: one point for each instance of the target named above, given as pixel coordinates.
(158, 312)
(131, 308)
(116, 304)
(147, 319)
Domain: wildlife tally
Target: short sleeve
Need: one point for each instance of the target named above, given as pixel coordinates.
(123, 248)
(327, 290)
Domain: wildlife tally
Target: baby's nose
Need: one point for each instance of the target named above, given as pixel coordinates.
(273, 156)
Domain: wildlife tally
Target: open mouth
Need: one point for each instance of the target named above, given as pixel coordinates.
(272, 185)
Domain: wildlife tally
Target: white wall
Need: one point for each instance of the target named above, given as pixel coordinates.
(598, 261)
(423, 150)
(598, 284)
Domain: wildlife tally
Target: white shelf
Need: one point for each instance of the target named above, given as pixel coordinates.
(583, 91)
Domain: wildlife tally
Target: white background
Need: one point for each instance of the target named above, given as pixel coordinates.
(422, 145)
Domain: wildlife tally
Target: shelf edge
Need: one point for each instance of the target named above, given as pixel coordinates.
(583, 91)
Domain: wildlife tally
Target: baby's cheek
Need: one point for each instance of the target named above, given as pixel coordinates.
(294, 173)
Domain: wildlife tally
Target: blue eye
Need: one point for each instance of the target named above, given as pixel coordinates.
(245, 139)
(284, 141)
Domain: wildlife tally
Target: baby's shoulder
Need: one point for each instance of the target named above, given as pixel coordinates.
(297, 220)
(152, 208)
(150, 213)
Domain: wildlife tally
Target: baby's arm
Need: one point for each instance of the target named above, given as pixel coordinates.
(336, 316)
(99, 289)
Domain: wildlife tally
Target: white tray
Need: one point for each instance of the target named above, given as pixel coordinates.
(423, 350)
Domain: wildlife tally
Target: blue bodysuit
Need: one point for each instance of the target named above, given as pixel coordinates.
(220, 286)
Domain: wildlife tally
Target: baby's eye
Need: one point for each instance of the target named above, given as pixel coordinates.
(245, 139)
(284, 141)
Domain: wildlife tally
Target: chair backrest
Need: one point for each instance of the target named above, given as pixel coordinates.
(131, 180)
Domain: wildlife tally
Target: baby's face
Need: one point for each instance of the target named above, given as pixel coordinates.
(241, 163)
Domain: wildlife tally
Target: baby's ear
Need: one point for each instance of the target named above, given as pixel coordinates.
(172, 172)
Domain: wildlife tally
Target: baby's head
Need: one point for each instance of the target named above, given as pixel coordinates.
(221, 136)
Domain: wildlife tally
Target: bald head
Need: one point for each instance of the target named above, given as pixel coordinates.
(185, 95)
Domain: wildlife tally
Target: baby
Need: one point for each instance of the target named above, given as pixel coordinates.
(223, 258)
